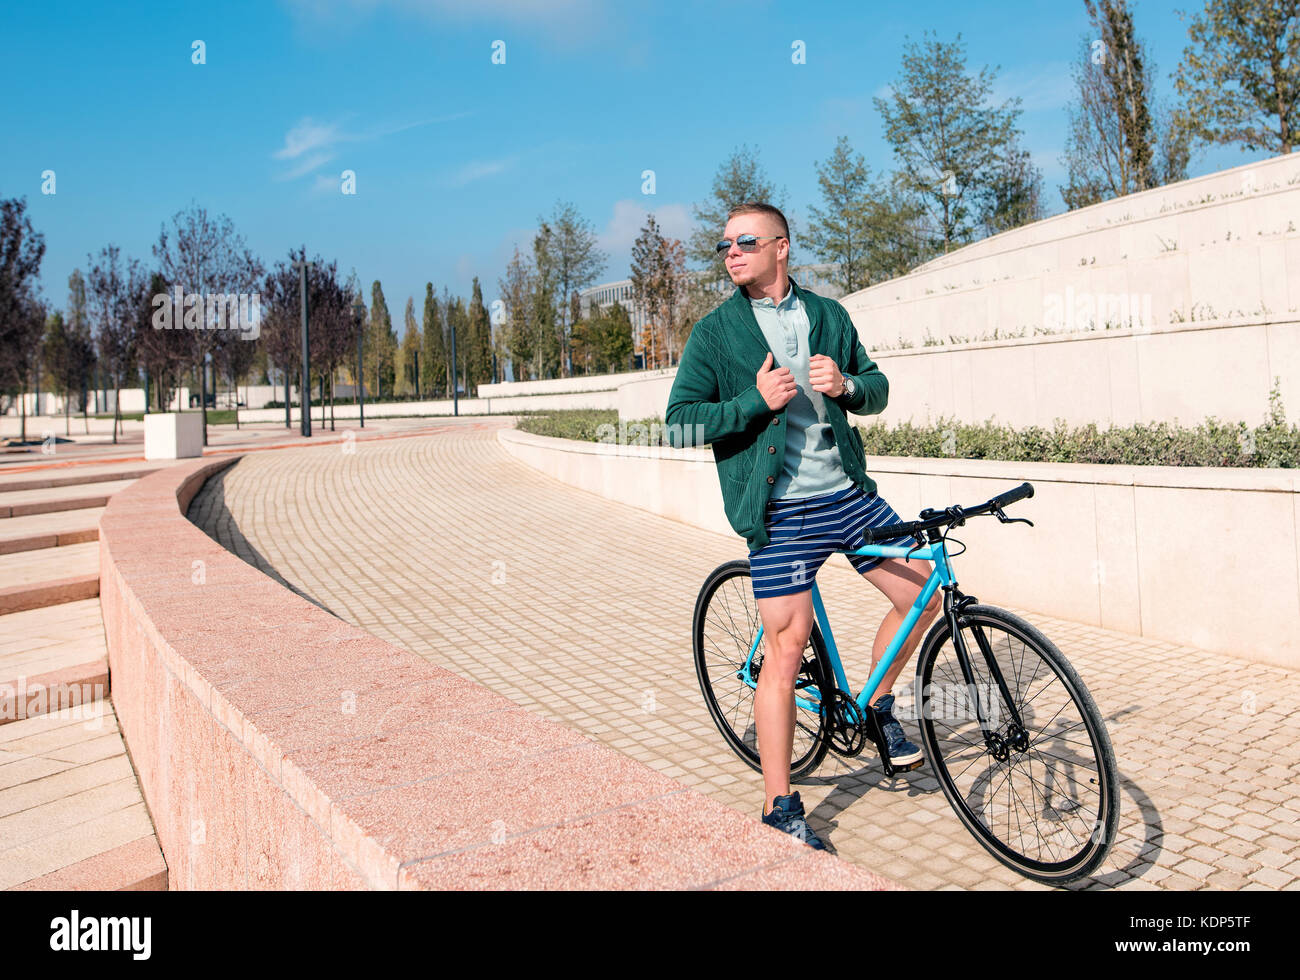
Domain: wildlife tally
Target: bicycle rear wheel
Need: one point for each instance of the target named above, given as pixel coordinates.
(1042, 799)
(725, 624)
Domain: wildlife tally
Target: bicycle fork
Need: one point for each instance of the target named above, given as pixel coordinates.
(999, 744)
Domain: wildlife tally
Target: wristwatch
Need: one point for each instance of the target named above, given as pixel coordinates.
(849, 387)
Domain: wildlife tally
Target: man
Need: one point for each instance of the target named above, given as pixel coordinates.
(790, 486)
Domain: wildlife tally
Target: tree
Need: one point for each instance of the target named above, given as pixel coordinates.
(331, 335)
(80, 341)
(1117, 143)
(1014, 196)
(478, 349)
(56, 354)
(164, 354)
(614, 337)
(281, 335)
(433, 360)
(457, 324)
(949, 143)
(356, 331)
(839, 232)
(206, 258)
(22, 318)
(519, 339)
(381, 342)
(114, 289)
(576, 262)
(236, 358)
(547, 346)
(647, 283)
(1240, 75)
(738, 179)
(406, 383)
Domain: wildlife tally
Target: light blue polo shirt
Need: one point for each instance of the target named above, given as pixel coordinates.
(812, 462)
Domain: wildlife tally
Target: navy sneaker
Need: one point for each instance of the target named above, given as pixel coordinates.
(901, 751)
(787, 815)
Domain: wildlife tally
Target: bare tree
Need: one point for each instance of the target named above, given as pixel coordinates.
(207, 258)
(114, 288)
(22, 318)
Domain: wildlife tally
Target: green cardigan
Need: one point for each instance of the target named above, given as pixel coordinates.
(715, 400)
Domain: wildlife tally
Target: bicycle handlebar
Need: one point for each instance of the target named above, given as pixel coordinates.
(954, 515)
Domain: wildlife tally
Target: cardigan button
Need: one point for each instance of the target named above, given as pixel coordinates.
(776, 420)
(771, 449)
(771, 479)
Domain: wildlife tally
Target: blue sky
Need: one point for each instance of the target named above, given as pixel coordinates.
(456, 158)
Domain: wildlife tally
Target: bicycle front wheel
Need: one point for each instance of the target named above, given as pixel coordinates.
(1041, 795)
(725, 625)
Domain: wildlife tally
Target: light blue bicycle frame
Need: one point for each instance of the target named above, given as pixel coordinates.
(940, 574)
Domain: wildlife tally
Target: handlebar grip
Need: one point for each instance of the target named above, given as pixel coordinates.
(1012, 495)
(883, 533)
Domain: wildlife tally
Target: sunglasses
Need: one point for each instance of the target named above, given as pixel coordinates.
(747, 243)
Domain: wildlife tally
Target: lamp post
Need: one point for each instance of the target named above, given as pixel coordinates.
(304, 388)
(358, 317)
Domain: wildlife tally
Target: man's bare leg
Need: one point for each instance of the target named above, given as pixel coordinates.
(901, 582)
(787, 623)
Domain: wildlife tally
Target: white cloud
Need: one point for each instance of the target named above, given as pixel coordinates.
(629, 217)
(326, 184)
(1043, 86)
(307, 135)
(306, 166)
(316, 142)
(478, 169)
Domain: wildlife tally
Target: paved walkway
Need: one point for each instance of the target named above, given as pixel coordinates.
(580, 609)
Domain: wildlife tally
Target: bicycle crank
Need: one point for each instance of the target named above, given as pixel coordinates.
(845, 732)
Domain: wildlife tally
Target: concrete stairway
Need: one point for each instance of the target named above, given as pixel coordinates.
(71, 812)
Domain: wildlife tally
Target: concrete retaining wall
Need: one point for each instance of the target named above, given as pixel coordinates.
(1160, 551)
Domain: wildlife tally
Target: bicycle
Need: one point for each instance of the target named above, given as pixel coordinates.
(979, 709)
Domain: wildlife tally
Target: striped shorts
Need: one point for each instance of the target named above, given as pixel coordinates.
(805, 531)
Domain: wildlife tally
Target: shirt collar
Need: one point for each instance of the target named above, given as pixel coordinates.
(788, 303)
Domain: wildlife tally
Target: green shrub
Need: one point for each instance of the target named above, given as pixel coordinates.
(1212, 443)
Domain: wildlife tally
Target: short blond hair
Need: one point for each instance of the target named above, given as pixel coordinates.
(760, 207)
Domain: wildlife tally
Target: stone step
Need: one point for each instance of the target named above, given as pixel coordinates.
(48, 576)
(20, 598)
(66, 476)
(49, 530)
(51, 657)
(24, 503)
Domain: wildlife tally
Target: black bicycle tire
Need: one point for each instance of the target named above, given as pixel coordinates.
(817, 752)
(1099, 844)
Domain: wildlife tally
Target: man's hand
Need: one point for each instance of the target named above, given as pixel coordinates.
(776, 386)
(824, 375)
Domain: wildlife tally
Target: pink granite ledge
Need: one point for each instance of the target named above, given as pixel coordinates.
(280, 747)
